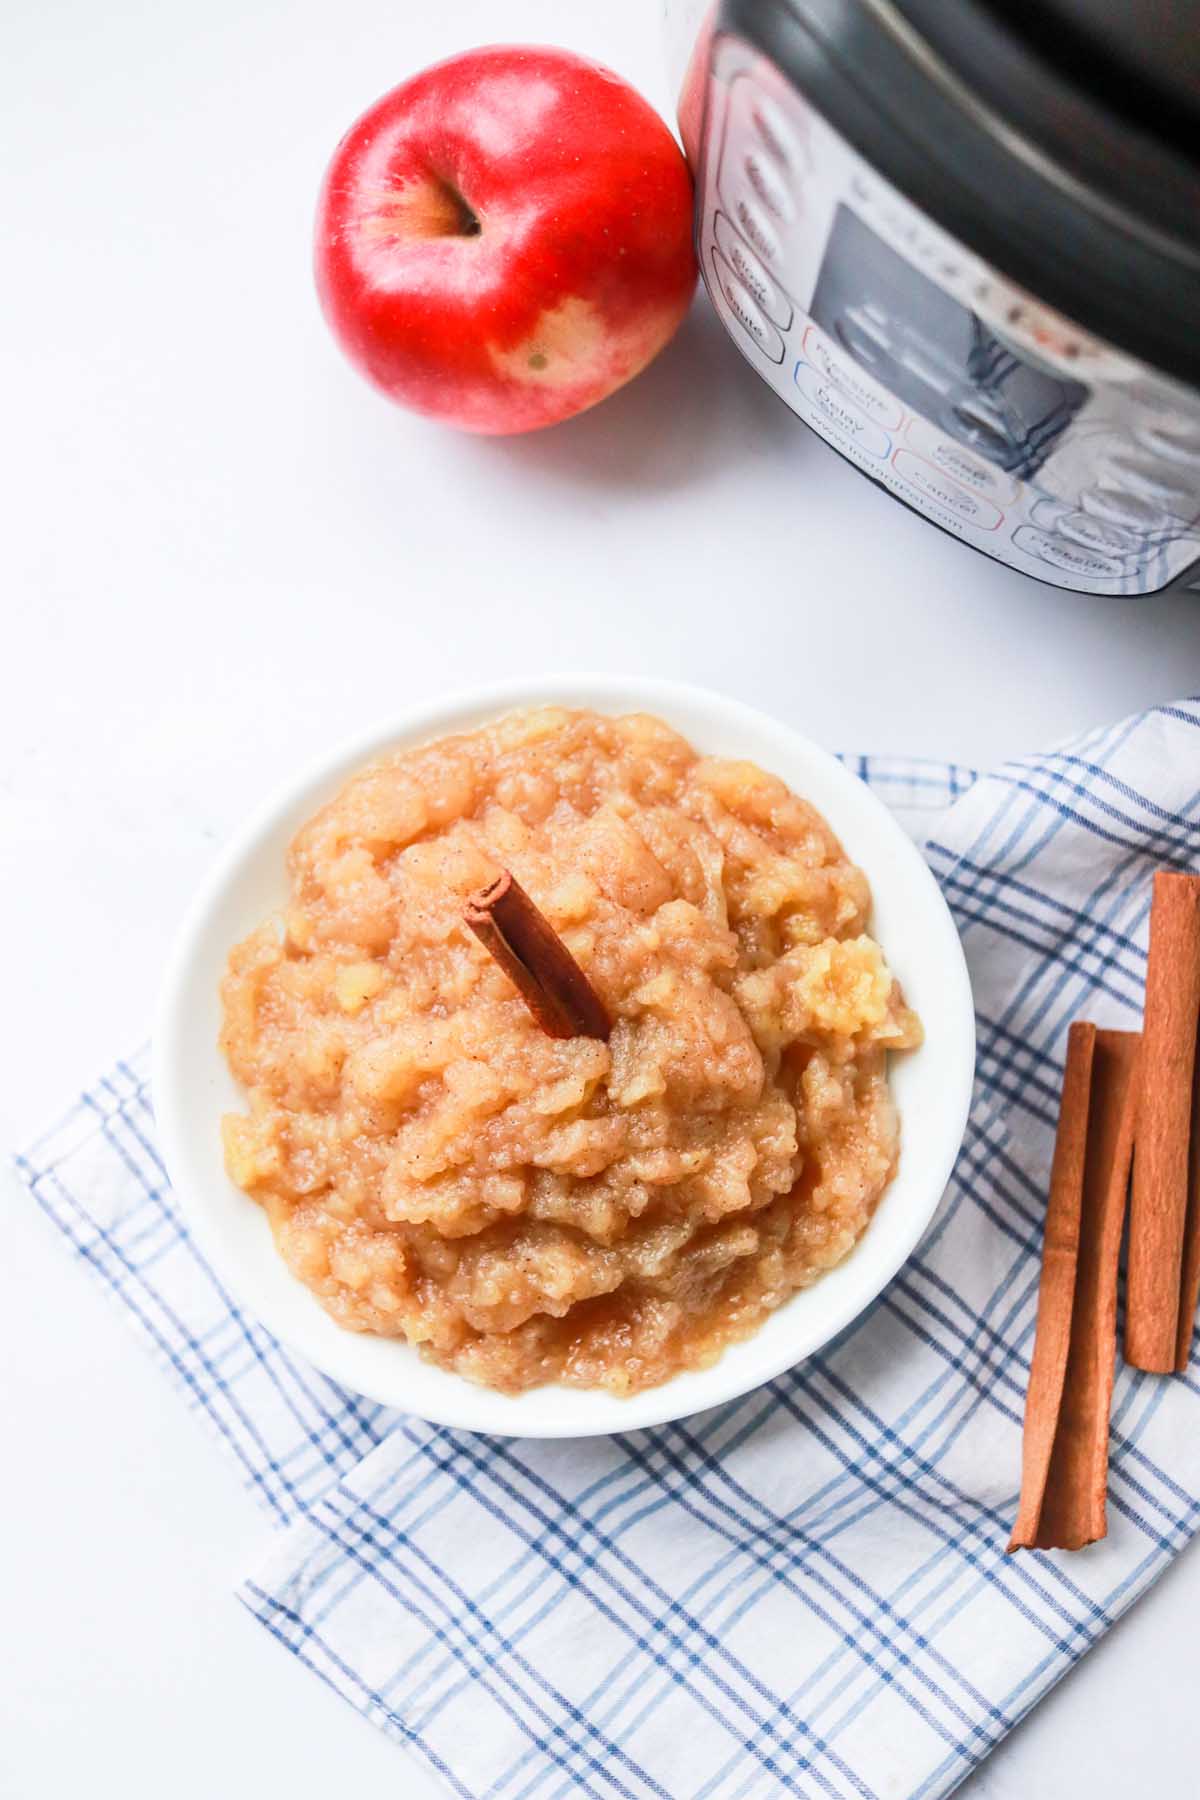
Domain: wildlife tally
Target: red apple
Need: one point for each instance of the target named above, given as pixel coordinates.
(505, 239)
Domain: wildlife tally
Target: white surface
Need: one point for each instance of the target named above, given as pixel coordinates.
(220, 552)
(193, 1087)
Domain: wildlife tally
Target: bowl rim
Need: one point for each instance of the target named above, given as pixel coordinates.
(469, 1406)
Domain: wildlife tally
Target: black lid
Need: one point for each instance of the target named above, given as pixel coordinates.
(1109, 90)
(1059, 140)
(1145, 54)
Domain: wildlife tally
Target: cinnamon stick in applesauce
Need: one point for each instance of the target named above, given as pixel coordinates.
(536, 961)
(1162, 1282)
(1065, 1445)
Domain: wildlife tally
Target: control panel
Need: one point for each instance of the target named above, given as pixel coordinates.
(995, 418)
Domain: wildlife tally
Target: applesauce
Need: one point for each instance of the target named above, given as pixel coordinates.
(525, 1208)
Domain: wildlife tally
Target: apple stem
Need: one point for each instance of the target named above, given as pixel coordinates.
(468, 219)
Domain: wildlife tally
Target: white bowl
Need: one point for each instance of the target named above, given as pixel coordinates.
(932, 1085)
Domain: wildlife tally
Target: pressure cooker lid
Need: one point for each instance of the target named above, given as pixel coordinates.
(1059, 139)
(1110, 89)
(1154, 44)
(1142, 56)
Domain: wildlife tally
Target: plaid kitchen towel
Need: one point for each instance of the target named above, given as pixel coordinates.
(804, 1592)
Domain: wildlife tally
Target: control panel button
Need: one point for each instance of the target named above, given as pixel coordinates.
(757, 228)
(1047, 512)
(1134, 512)
(834, 409)
(875, 400)
(781, 138)
(972, 509)
(746, 266)
(955, 459)
(745, 310)
(1089, 565)
(770, 185)
(1169, 490)
(1099, 534)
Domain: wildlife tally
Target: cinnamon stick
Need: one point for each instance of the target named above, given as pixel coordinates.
(536, 961)
(1056, 1295)
(1160, 1293)
(1072, 1508)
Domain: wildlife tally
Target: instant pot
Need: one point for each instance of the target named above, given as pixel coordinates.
(962, 241)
